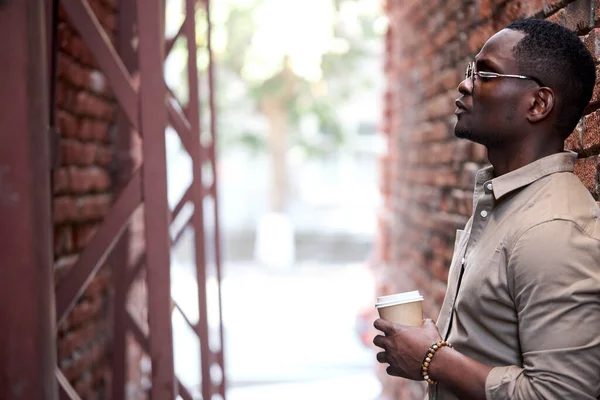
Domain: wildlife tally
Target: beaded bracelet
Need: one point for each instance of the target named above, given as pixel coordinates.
(429, 356)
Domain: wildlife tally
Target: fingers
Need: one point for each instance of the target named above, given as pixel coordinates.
(383, 325)
(393, 371)
(379, 341)
(382, 358)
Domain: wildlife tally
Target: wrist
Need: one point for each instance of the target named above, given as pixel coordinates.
(428, 360)
(436, 366)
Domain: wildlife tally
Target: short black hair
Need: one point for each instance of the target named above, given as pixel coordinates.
(557, 57)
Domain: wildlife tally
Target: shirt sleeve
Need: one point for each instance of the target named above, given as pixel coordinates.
(554, 270)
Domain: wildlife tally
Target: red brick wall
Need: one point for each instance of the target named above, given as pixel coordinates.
(427, 175)
(85, 112)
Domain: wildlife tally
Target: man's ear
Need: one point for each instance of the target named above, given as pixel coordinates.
(541, 104)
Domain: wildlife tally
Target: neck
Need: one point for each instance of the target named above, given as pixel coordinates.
(508, 158)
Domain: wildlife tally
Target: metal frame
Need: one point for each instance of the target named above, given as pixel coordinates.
(28, 348)
(146, 110)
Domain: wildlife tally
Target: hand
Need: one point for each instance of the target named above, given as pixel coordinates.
(405, 346)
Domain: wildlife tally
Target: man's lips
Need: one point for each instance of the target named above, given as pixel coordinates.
(460, 107)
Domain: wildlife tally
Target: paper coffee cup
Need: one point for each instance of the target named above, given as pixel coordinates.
(402, 308)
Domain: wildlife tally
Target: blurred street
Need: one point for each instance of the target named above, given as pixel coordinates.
(290, 333)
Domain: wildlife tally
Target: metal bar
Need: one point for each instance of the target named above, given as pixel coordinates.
(183, 392)
(198, 198)
(135, 270)
(190, 324)
(121, 276)
(93, 255)
(66, 391)
(53, 53)
(139, 264)
(27, 341)
(171, 42)
(119, 341)
(184, 199)
(180, 123)
(156, 208)
(182, 230)
(85, 21)
(144, 343)
(137, 333)
(213, 129)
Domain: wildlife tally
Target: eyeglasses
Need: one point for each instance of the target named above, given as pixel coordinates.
(472, 72)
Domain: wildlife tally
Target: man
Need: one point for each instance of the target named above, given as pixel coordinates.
(522, 307)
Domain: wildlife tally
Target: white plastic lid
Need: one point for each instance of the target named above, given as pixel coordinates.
(399, 298)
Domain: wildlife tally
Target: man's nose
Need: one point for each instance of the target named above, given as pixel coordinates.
(466, 87)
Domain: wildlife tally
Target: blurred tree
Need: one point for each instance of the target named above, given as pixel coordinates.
(298, 61)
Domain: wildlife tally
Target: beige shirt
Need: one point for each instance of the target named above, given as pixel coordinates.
(529, 298)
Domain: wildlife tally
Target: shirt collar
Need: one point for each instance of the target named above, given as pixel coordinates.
(502, 185)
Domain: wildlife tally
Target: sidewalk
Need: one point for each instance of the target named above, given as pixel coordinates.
(290, 334)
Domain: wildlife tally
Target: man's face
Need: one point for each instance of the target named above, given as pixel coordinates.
(489, 108)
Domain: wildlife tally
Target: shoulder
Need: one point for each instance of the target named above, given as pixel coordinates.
(554, 201)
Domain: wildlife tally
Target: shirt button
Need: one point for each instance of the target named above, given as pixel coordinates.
(489, 187)
(484, 214)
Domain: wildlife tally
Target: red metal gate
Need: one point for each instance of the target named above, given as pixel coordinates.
(135, 73)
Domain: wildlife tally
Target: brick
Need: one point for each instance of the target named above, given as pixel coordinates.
(76, 339)
(587, 170)
(65, 96)
(104, 156)
(74, 152)
(478, 37)
(101, 131)
(63, 69)
(69, 152)
(85, 311)
(484, 9)
(86, 129)
(83, 103)
(512, 11)
(559, 17)
(65, 209)
(93, 207)
(88, 153)
(91, 179)
(61, 182)
(578, 16)
(96, 287)
(549, 6)
(461, 150)
(76, 47)
(63, 240)
(77, 76)
(591, 132)
(68, 125)
(62, 266)
(573, 142)
(96, 82)
(596, 94)
(82, 235)
(592, 42)
(533, 7)
(479, 153)
(64, 33)
(86, 58)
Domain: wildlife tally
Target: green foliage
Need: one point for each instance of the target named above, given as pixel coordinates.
(297, 94)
